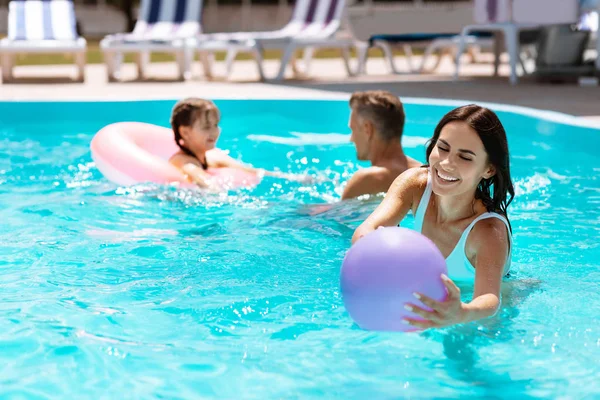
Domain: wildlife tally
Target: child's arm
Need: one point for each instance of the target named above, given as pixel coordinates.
(225, 161)
(194, 172)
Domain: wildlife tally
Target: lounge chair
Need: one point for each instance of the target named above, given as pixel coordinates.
(36, 26)
(314, 25)
(163, 26)
(511, 17)
(430, 42)
(561, 54)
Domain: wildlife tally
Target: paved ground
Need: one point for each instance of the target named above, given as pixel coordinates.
(327, 79)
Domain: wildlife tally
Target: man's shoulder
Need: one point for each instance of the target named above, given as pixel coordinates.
(378, 180)
(412, 163)
(369, 180)
(373, 172)
(392, 171)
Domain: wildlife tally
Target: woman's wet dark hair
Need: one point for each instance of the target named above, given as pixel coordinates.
(497, 192)
(186, 112)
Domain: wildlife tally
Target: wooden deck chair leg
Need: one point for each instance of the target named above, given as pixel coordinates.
(362, 52)
(258, 57)
(389, 54)
(119, 59)
(184, 63)
(346, 59)
(409, 57)
(142, 58)
(526, 54)
(207, 59)
(428, 52)
(512, 45)
(180, 61)
(294, 64)
(8, 61)
(229, 60)
(440, 56)
(474, 52)
(287, 57)
(497, 52)
(307, 58)
(522, 64)
(80, 61)
(189, 60)
(460, 49)
(111, 65)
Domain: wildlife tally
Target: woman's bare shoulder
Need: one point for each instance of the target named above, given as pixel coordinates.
(412, 179)
(490, 231)
(489, 236)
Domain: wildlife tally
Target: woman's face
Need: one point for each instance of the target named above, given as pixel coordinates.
(203, 134)
(458, 160)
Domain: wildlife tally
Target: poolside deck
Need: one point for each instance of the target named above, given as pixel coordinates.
(327, 80)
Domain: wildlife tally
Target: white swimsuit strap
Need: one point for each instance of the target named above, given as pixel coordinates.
(422, 208)
(460, 246)
(486, 215)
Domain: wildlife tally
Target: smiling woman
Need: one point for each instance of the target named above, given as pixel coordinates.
(468, 159)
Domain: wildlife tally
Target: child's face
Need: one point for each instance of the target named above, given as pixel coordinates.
(203, 134)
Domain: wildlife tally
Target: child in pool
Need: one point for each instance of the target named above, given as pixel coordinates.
(195, 124)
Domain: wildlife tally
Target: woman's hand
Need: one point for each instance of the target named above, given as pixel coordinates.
(446, 313)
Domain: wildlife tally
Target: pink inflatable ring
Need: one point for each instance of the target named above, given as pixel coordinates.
(133, 152)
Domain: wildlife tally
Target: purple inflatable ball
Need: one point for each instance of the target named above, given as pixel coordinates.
(382, 270)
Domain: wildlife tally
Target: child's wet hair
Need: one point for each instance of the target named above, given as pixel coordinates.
(189, 111)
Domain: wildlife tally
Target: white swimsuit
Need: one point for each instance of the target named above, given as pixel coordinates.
(459, 266)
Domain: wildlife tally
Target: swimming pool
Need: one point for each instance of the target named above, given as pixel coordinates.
(111, 292)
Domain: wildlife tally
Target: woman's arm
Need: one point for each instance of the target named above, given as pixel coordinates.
(490, 244)
(491, 247)
(396, 203)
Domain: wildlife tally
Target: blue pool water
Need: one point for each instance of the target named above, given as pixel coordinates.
(147, 291)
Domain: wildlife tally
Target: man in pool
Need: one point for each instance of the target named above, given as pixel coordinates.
(377, 123)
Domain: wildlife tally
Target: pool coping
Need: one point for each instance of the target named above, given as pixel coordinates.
(313, 94)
